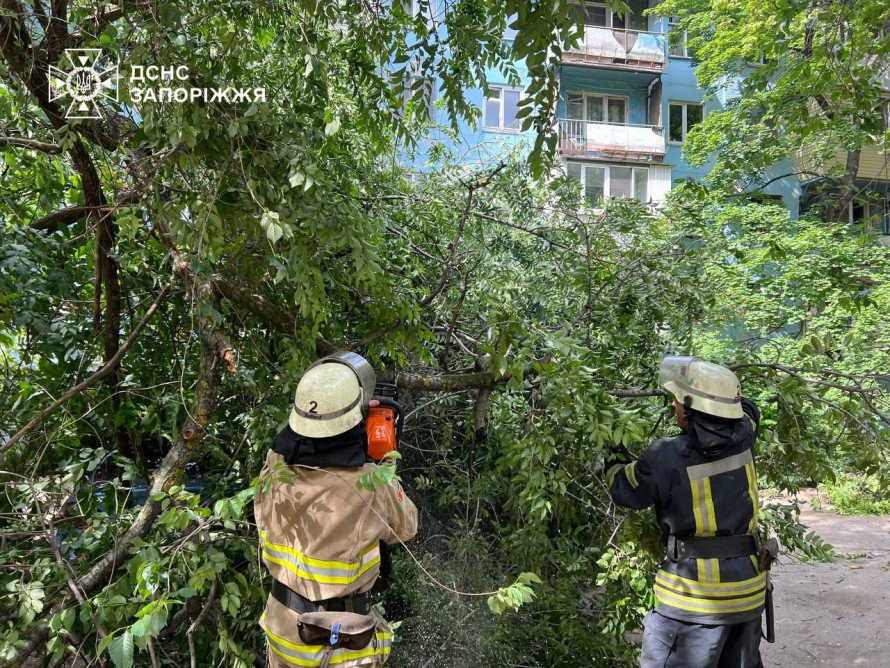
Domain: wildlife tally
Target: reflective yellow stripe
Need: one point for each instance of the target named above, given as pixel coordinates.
(697, 506)
(709, 508)
(709, 606)
(311, 655)
(324, 563)
(752, 492)
(713, 589)
(701, 565)
(320, 570)
(708, 570)
(631, 472)
(611, 473)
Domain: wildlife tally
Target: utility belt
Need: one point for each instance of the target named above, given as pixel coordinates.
(359, 604)
(712, 547)
(724, 547)
(335, 623)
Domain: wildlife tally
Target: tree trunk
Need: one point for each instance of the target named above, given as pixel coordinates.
(836, 210)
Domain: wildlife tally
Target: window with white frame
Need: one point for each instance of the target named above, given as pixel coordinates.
(598, 15)
(599, 182)
(678, 48)
(501, 107)
(682, 117)
(596, 108)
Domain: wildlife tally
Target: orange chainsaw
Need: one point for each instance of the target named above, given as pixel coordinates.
(384, 425)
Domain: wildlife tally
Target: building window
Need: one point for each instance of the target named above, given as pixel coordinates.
(678, 48)
(872, 210)
(501, 107)
(596, 108)
(599, 182)
(423, 91)
(598, 15)
(682, 116)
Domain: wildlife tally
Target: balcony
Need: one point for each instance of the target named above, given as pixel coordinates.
(619, 49)
(607, 140)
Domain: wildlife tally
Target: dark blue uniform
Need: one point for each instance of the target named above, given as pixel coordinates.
(702, 484)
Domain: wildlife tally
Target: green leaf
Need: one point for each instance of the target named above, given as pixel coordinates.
(121, 650)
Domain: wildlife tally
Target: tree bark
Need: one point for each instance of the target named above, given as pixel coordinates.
(836, 211)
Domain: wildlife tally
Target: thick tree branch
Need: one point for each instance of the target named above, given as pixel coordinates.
(106, 369)
(446, 383)
(483, 398)
(32, 144)
(57, 31)
(72, 214)
(266, 310)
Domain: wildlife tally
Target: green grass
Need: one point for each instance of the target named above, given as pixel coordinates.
(855, 494)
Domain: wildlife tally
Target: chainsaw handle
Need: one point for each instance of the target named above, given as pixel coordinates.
(397, 418)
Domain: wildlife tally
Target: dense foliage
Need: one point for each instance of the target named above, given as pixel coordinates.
(184, 263)
(796, 79)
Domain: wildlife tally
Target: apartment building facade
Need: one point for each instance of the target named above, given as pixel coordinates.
(627, 100)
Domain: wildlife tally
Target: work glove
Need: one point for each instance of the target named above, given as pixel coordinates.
(618, 454)
(750, 409)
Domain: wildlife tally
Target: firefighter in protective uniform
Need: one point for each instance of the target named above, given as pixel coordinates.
(319, 533)
(711, 588)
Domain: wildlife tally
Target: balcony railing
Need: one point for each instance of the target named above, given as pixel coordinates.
(586, 138)
(616, 47)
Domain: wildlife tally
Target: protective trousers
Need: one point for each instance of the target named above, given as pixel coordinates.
(670, 643)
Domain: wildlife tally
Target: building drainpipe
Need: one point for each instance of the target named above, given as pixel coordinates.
(649, 98)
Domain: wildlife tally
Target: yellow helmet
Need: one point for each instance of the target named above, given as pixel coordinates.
(332, 396)
(711, 388)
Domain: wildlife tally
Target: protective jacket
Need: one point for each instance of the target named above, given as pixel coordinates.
(319, 535)
(702, 483)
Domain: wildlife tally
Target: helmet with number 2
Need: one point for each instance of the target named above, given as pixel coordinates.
(332, 396)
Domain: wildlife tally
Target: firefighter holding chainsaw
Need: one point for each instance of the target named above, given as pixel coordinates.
(712, 588)
(321, 536)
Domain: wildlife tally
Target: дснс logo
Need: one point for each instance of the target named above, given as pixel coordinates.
(84, 82)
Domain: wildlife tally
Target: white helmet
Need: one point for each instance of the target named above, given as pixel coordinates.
(332, 396)
(713, 389)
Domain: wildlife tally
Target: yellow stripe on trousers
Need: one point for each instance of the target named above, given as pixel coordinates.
(704, 605)
(688, 587)
(299, 654)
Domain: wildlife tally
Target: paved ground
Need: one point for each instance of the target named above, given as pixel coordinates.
(835, 614)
